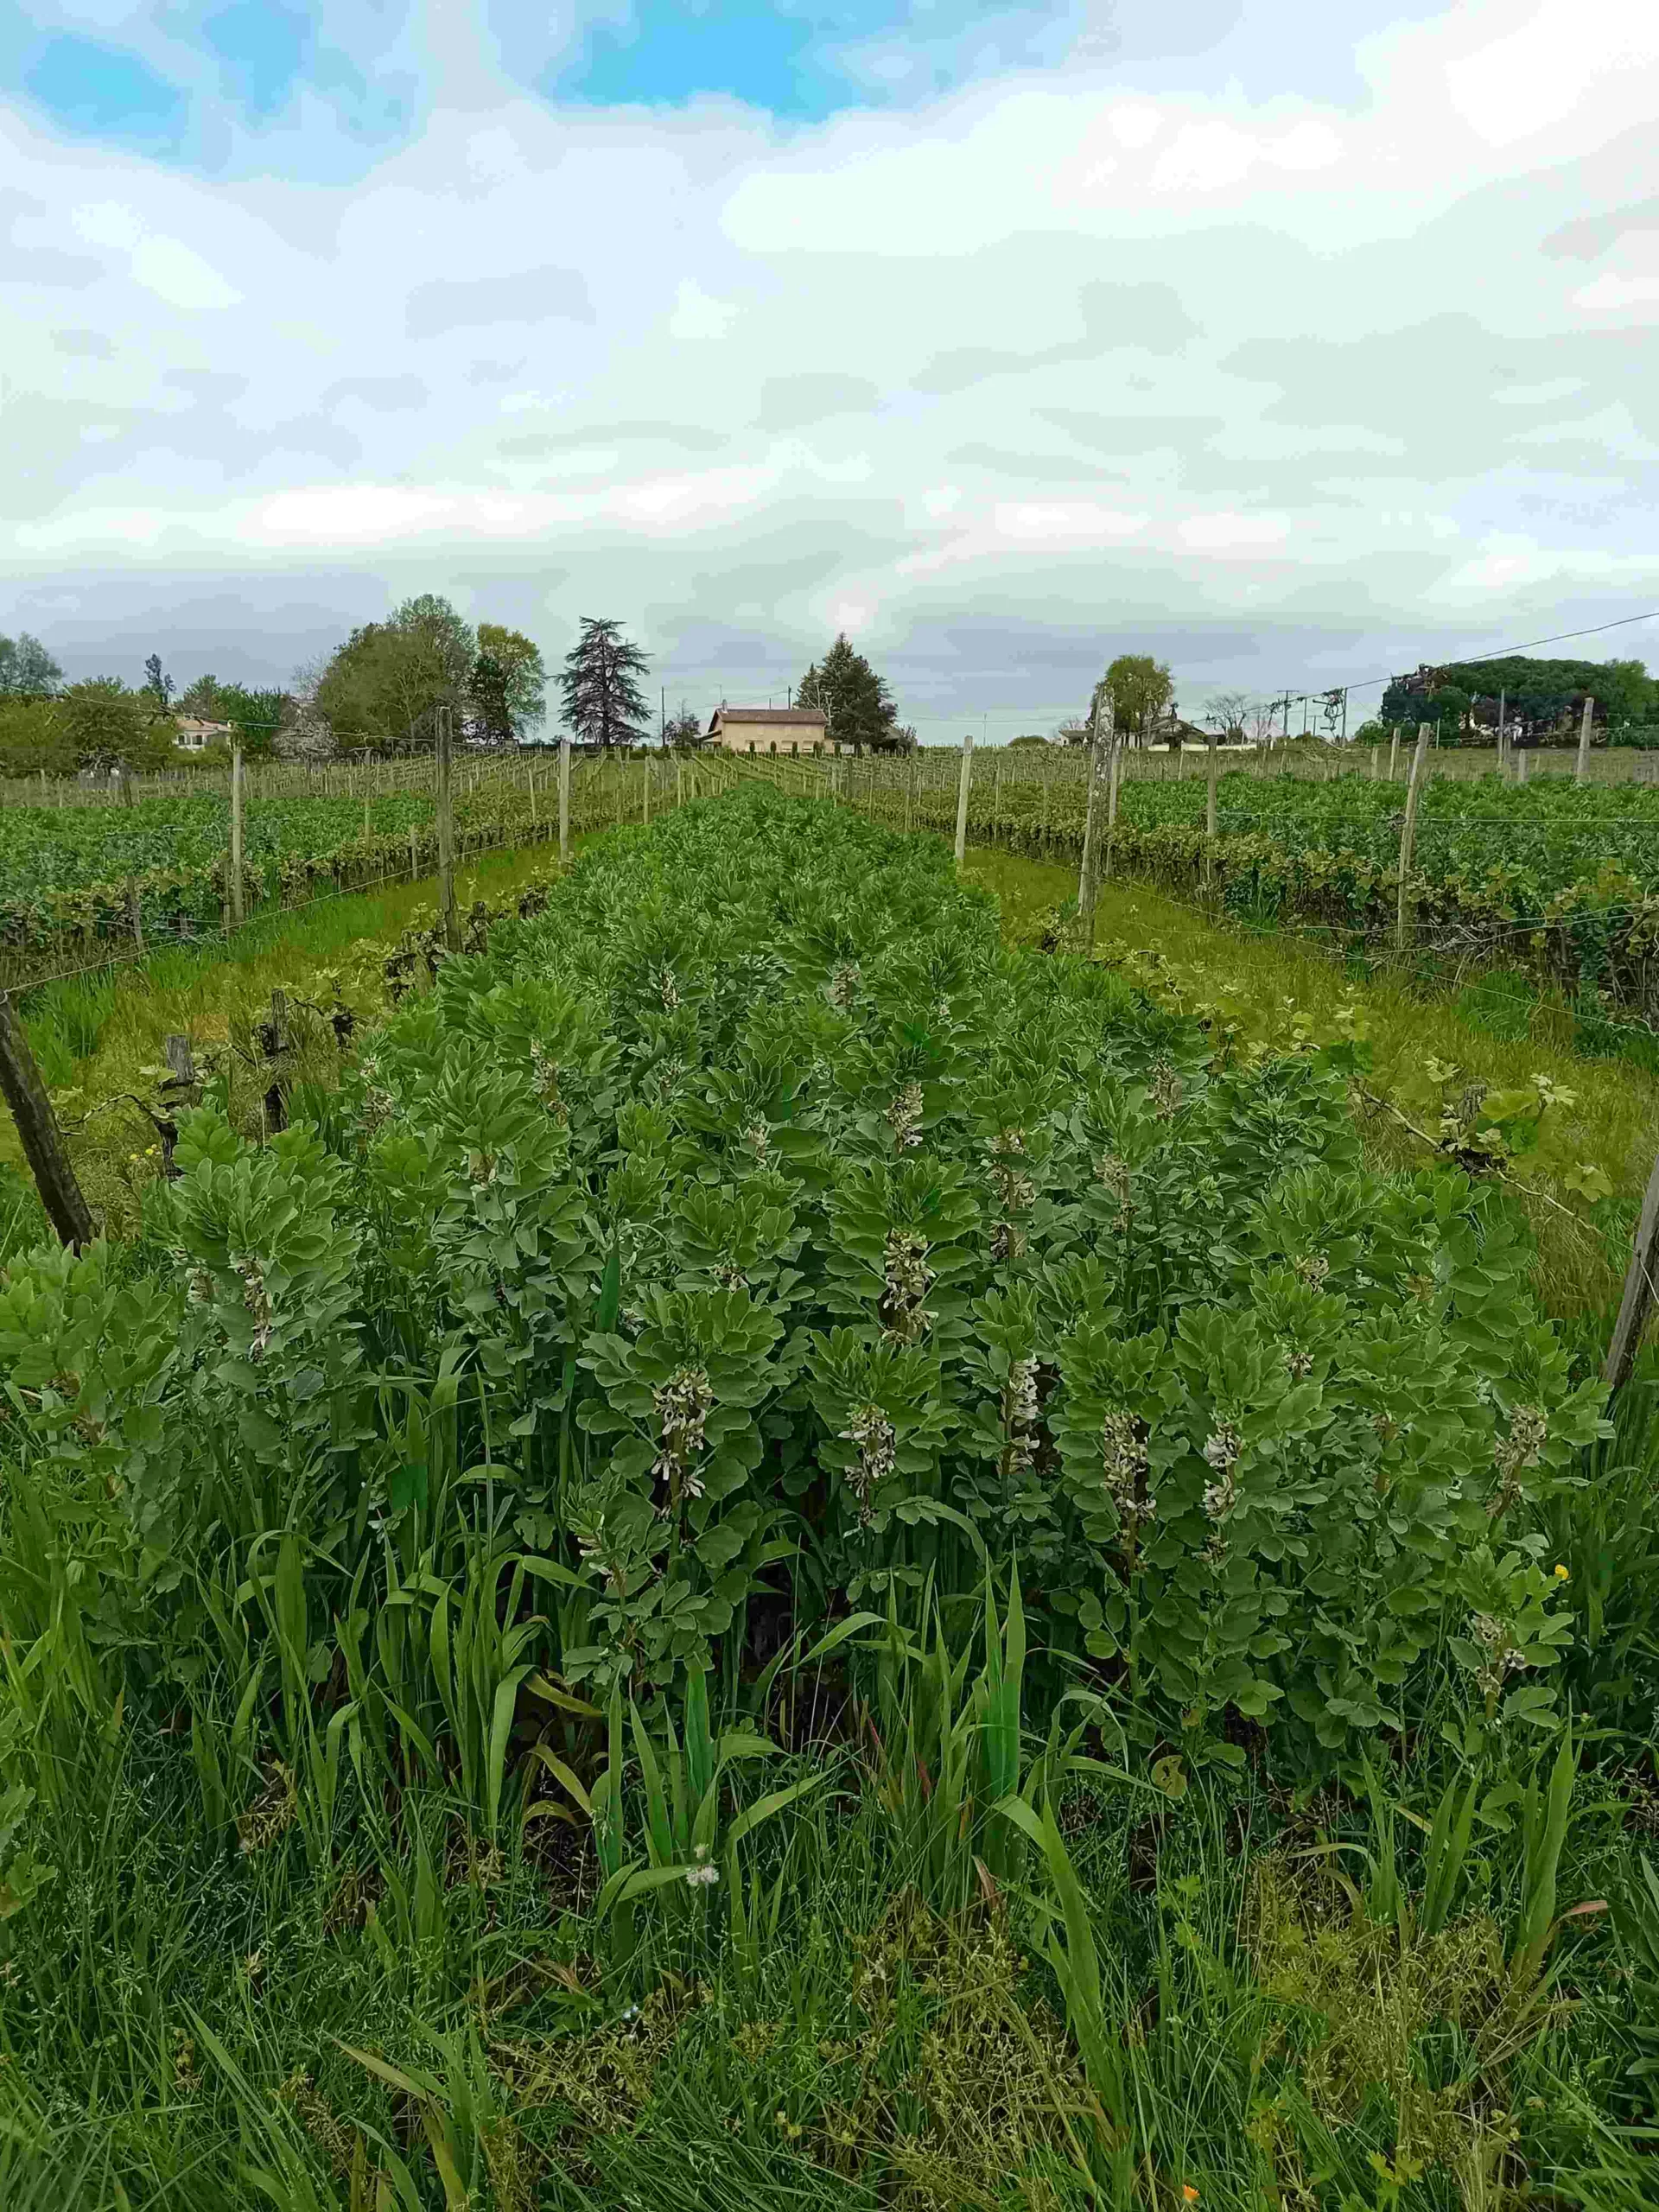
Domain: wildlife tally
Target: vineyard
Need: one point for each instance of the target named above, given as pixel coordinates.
(92, 880)
(784, 1554)
(1555, 878)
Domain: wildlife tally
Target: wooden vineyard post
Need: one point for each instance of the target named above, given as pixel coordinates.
(273, 1038)
(1519, 767)
(238, 912)
(1503, 763)
(1637, 1301)
(135, 913)
(1393, 751)
(37, 1125)
(446, 813)
(1114, 780)
(413, 854)
(1048, 785)
(645, 779)
(1210, 817)
(529, 771)
(996, 798)
(961, 798)
(1102, 739)
(178, 1089)
(1584, 721)
(564, 802)
(910, 795)
(1376, 762)
(1408, 835)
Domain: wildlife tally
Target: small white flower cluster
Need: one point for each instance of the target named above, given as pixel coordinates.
(1313, 1268)
(873, 1434)
(1015, 1194)
(757, 1138)
(200, 1289)
(905, 1118)
(257, 1301)
(843, 985)
(682, 1404)
(376, 1102)
(1019, 1413)
(1222, 1452)
(908, 1280)
(481, 1166)
(1115, 1174)
(669, 991)
(1125, 1453)
(702, 1876)
(1167, 1090)
(1502, 1656)
(546, 1074)
(1524, 1446)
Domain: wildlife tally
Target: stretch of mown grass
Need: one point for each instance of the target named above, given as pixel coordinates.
(593, 1628)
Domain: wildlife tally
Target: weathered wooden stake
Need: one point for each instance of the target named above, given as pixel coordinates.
(1639, 1288)
(962, 797)
(1210, 816)
(644, 778)
(564, 802)
(1408, 834)
(238, 910)
(37, 1126)
(413, 854)
(1102, 742)
(1393, 751)
(135, 913)
(178, 1089)
(1584, 721)
(447, 916)
(274, 1038)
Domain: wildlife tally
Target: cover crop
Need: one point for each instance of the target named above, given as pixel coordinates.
(753, 1236)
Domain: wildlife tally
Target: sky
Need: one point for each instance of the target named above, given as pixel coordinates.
(1293, 345)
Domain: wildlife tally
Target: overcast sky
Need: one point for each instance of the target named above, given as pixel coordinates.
(1293, 343)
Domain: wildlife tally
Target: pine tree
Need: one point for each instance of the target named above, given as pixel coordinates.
(856, 701)
(603, 703)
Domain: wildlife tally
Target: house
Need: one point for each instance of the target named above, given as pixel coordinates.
(768, 729)
(192, 734)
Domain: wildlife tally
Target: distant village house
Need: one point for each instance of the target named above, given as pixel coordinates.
(769, 729)
(192, 734)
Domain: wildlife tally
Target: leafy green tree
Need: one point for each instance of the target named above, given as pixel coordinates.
(27, 669)
(506, 687)
(109, 726)
(603, 702)
(1540, 697)
(1140, 688)
(33, 735)
(381, 686)
(856, 701)
(682, 731)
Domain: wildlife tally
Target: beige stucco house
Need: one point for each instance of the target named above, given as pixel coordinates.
(768, 729)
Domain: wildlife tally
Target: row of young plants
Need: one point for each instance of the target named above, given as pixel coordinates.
(178, 864)
(747, 1310)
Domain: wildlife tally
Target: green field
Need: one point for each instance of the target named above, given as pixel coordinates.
(785, 1554)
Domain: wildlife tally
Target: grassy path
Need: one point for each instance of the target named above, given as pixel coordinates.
(1269, 984)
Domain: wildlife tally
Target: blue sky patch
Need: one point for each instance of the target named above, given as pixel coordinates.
(261, 48)
(103, 92)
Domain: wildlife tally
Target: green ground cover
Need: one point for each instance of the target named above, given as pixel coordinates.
(783, 1554)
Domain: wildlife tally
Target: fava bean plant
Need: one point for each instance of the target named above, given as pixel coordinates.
(750, 1240)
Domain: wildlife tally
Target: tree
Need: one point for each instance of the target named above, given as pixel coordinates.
(1540, 697)
(856, 701)
(1228, 713)
(109, 727)
(381, 686)
(603, 702)
(27, 669)
(506, 686)
(201, 701)
(159, 687)
(1031, 738)
(34, 737)
(683, 733)
(1140, 689)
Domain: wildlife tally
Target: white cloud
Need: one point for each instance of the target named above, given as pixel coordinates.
(1093, 354)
